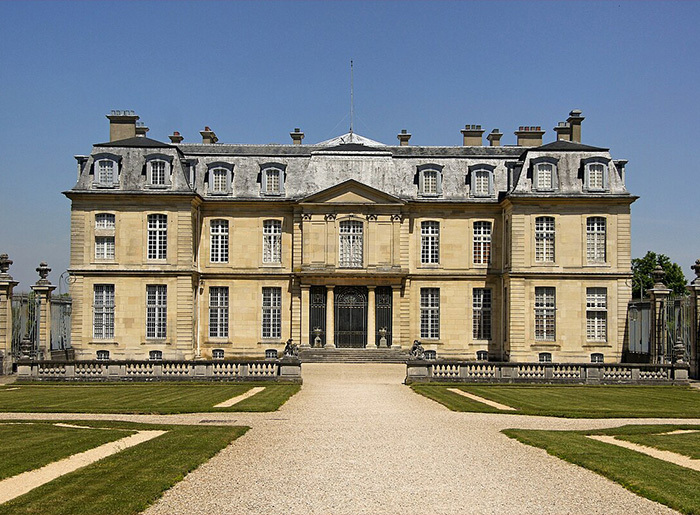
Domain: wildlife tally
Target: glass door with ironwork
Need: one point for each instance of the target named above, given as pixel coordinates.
(351, 316)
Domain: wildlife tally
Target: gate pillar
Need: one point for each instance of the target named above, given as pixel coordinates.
(305, 316)
(43, 289)
(6, 286)
(330, 317)
(371, 318)
(694, 289)
(659, 295)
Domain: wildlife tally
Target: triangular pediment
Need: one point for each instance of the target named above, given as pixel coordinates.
(351, 192)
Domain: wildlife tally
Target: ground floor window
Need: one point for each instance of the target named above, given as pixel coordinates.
(102, 355)
(272, 313)
(597, 357)
(103, 312)
(217, 354)
(481, 313)
(430, 313)
(596, 314)
(156, 311)
(218, 312)
(482, 355)
(545, 357)
(155, 355)
(545, 314)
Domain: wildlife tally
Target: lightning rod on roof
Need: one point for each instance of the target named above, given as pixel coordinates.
(352, 100)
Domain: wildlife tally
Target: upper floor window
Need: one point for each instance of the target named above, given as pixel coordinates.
(104, 221)
(272, 179)
(545, 314)
(272, 241)
(430, 243)
(544, 239)
(595, 239)
(106, 170)
(430, 180)
(596, 174)
(218, 244)
(544, 174)
(157, 173)
(481, 180)
(482, 243)
(104, 247)
(158, 169)
(272, 313)
(218, 178)
(350, 244)
(481, 313)
(157, 236)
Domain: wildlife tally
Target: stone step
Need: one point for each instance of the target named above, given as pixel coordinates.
(353, 355)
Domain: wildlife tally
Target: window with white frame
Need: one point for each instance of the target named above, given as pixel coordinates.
(597, 357)
(430, 243)
(272, 313)
(482, 243)
(596, 174)
(596, 314)
(429, 180)
(595, 239)
(545, 357)
(157, 236)
(217, 354)
(104, 221)
(543, 176)
(155, 355)
(158, 172)
(218, 312)
(106, 172)
(102, 355)
(430, 313)
(545, 314)
(103, 312)
(482, 355)
(218, 241)
(219, 180)
(481, 313)
(156, 311)
(104, 247)
(272, 241)
(272, 180)
(482, 182)
(350, 244)
(544, 239)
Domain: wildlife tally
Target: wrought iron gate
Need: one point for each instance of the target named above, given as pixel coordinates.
(639, 323)
(60, 322)
(679, 329)
(25, 322)
(383, 313)
(317, 315)
(350, 316)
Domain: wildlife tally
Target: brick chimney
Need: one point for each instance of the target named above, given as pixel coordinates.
(472, 135)
(495, 138)
(403, 137)
(122, 124)
(563, 130)
(208, 136)
(574, 121)
(141, 129)
(176, 137)
(297, 136)
(529, 136)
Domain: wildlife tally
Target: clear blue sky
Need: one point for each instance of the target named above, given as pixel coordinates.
(254, 71)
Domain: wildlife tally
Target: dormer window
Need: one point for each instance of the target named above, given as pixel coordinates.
(430, 180)
(595, 174)
(219, 176)
(544, 174)
(272, 180)
(481, 180)
(158, 171)
(106, 171)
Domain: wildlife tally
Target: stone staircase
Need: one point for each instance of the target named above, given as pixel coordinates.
(353, 355)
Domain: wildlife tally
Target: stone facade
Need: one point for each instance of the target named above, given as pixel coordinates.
(511, 253)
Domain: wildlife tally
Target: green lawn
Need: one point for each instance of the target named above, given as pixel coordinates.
(658, 480)
(161, 398)
(687, 444)
(129, 481)
(575, 401)
(28, 446)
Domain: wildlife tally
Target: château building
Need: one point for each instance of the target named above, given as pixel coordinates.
(186, 250)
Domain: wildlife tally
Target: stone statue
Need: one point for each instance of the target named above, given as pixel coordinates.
(417, 350)
(291, 349)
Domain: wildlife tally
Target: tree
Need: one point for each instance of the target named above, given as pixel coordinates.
(643, 279)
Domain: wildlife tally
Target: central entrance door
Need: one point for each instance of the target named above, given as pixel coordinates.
(350, 316)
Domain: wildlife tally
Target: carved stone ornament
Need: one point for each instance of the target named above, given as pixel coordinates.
(371, 217)
(695, 267)
(5, 263)
(330, 217)
(306, 216)
(43, 271)
(659, 275)
(396, 218)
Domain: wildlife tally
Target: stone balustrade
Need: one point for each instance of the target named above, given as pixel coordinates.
(279, 370)
(435, 371)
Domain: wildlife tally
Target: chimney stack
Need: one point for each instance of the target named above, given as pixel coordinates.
(574, 121)
(297, 136)
(563, 130)
(472, 135)
(529, 136)
(122, 124)
(176, 137)
(141, 129)
(495, 138)
(403, 137)
(208, 136)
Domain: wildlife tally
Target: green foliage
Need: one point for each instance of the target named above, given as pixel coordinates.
(643, 279)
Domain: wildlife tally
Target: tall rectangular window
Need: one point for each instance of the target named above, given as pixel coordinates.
(545, 313)
(350, 244)
(157, 236)
(482, 243)
(430, 182)
(218, 312)
(272, 313)
(103, 312)
(596, 314)
(272, 241)
(430, 243)
(218, 243)
(481, 313)
(158, 173)
(106, 172)
(430, 313)
(219, 180)
(156, 311)
(596, 176)
(543, 179)
(104, 247)
(272, 181)
(544, 239)
(482, 183)
(595, 239)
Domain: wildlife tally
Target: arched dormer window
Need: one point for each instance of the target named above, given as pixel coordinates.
(272, 179)
(430, 180)
(595, 172)
(219, 178)
(158, 170)
(481, 180)
(106, 170)
(544, 174)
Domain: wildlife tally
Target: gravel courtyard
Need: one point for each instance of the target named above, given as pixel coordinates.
(355, 440)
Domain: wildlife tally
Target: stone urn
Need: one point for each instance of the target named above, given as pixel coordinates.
(383, 342)
(317, 337)
(25, 348)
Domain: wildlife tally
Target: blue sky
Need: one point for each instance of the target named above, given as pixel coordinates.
(253, 71)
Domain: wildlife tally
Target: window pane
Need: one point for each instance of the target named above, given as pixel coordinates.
(219, 180)
(430, 182)
(430, 313)
(595, 239)
(272, 313)
(103, 311)
(157, 236)
(481, 313)
(544, 176)
(596, 314)
(545, 314)
(272, 181)
(272, 241)
(430, 243)
(218, 312)
(482, 243)
(104, 221)
(596, 174)
(104, 247)
(105, 172)
(350, 244)
(156, 311)
(481, 183)
(544, 239)
(158, 173)
(218, 244)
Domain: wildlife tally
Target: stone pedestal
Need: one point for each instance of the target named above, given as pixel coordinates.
(7, 284)
(43, 290)
(659, 295)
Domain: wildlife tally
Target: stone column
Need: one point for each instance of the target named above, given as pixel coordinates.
(659, 296)
(6, 286)
(43, 289)
(395, 316)
(694, 289)
(330, 317)
(305, 328)
(371, 318)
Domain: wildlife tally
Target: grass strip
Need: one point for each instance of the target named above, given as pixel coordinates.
(127, 482)
(573, 401)
(655, 479)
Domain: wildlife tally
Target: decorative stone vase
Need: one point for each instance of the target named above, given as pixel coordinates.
(317, 337)
(25, 348)
(382, 337)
